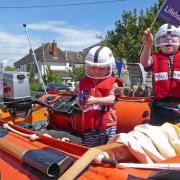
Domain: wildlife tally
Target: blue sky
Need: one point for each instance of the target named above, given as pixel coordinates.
(73, 27)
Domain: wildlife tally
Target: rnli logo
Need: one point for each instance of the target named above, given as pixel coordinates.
(160, 76)
(176, 75)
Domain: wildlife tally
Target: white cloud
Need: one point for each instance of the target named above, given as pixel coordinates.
(15, 46)
(70, 37)
(12, 47)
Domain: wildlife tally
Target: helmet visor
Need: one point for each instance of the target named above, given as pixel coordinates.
(164, 40)
(98, 72)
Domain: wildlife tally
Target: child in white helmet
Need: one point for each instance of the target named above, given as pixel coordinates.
(96, 96)
(166, 73)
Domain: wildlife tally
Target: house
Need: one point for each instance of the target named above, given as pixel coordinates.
(60, 62)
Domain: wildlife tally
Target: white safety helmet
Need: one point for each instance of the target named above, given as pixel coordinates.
(166, 30)
(102, 60)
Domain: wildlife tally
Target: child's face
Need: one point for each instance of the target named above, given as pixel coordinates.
(99, 72)
(170, 44)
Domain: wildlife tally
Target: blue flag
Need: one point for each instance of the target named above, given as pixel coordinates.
(170, 12)
(119, 67)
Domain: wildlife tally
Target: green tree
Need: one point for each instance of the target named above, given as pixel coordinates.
(77, 73)
(51, 77)
(32, 71)
(126, 39)
(9, 68)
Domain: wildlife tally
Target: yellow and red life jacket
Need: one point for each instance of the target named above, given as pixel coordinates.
(163, 85)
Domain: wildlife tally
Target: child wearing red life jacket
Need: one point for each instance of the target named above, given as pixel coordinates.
(166, 73)
(96, 97)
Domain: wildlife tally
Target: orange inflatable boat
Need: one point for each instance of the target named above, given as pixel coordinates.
(61, 118)
(34, 113)
(130, 112)
(64, 114)
(28, 155)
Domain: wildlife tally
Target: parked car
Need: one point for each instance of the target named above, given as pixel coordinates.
(71, 86)
(55, 87)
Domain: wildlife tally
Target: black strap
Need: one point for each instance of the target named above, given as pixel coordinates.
(97, 54)
(100, 122)
(170, 64)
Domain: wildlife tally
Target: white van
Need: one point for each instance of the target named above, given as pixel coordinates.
(71, 86)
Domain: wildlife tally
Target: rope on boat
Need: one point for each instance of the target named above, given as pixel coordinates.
(32, 137)
(64, 139)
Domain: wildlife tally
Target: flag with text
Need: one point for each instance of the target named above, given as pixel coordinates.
(170, 12)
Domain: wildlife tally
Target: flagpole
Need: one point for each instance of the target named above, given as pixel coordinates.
(152, 25)
(157, 14)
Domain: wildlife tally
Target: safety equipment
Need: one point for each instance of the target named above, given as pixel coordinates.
(92, 113)
(99, 62)
(160, 68)
(167, 35)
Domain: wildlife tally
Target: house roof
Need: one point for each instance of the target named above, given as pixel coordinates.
(61, 56)
(76, 57)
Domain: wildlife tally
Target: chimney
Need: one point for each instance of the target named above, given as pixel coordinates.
(30, 51)
(54, 48)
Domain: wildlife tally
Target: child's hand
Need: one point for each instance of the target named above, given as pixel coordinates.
(91, 100)
(148, 37)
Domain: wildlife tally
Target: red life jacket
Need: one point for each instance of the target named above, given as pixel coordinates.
(163, 85)
(91, 114)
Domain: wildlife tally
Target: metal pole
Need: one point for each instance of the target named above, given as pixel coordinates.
(35, 60)
(43, 60)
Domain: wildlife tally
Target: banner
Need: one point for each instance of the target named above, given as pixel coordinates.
(170, 12)
(119, 65)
